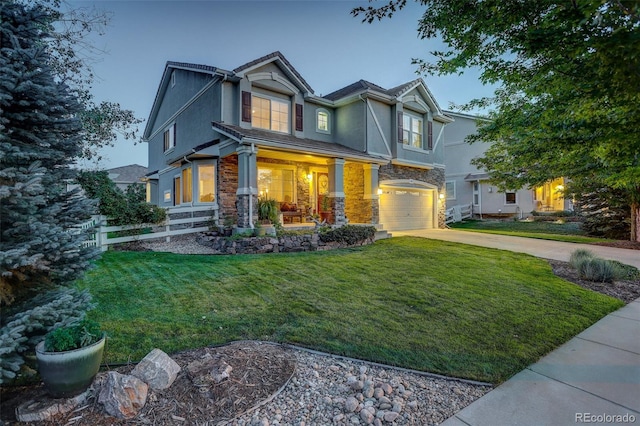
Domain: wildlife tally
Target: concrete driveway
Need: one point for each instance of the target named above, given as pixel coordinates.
(555, 250)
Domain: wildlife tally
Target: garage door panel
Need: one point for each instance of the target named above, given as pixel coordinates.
(406, 209)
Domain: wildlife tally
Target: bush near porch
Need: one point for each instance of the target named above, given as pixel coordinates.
(435, 306)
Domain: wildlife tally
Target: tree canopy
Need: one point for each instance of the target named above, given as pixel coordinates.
(568, 102)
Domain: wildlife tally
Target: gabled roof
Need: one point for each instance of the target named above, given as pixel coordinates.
(357, 87)
(290, 142)
(392, 95)
(127, 174)
(274, 57)
(164, 83)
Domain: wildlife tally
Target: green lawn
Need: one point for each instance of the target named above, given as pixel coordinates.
(568, 232)
(447, 308)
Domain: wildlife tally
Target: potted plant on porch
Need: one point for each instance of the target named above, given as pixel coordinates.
(325, 210)
(69, 358)
(267, 215)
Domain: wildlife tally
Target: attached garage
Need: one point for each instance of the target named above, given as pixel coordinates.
(404, 208)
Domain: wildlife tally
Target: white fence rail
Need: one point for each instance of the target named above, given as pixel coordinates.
(183, 220)
(458, 213)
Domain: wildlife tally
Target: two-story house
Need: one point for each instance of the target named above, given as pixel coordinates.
(467, 184)
(367, 154)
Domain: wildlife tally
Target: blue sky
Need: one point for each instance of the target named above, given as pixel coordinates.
(329, 48)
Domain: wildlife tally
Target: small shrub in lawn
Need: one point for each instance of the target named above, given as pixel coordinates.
(579, 256)
(349, 234)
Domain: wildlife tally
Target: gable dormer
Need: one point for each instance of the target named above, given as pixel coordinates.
(272, 95)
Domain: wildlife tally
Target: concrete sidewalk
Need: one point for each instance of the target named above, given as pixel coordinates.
(593, 378)
(540, 248)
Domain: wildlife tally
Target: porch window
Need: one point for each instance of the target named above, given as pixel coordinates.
(206, 183)
(412, 130)
(270, 114)
(187, 185)
(276, 183)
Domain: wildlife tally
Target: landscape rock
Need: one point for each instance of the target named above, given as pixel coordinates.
(390, 416)
(209, 370)
(367, 416)
(351, 404)
(45, 409)
(122, 396)
(157, 370)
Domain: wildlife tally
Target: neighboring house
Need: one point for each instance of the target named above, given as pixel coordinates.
(128, 175)
(466, 184)
(364, 153)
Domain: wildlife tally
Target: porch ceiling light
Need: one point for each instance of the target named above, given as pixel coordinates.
(309, 177)
(380, 192)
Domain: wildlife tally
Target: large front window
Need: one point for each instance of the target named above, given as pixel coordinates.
(270, 114)
(276, 183)
(411, 130)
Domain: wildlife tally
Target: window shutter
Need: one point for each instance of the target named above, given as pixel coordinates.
(400, 129)
(429, 135)
(246, 106)
(299, 109)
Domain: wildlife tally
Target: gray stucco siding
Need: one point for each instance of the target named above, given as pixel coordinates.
(193, 125)
(378, 128)
(310, 123)
(351, 125)
(187, 85)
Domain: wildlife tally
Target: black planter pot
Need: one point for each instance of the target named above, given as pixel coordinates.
(69, 373)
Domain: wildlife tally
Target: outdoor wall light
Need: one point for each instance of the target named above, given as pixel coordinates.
(380, 191)
(309, 177)
(441, 196)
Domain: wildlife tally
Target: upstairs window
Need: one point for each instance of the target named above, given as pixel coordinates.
(322, 121)
(170, 138)
(270, 114)
(412, 130)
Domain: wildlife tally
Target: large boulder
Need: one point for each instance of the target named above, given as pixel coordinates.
(122, 396)
(157, 370)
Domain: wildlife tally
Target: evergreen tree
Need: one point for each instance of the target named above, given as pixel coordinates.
(41, 252)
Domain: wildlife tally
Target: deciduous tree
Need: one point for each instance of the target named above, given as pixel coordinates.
(569, 77)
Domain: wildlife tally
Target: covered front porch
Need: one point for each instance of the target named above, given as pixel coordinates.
(307, 178)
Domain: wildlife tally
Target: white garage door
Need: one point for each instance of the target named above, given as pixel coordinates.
(403, 209)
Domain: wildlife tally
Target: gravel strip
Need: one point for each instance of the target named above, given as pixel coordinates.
(329, 390)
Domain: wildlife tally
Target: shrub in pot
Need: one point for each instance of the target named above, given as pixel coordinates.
(69, 358)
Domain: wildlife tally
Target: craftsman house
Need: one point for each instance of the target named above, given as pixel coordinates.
(362, 154)
(466, 184)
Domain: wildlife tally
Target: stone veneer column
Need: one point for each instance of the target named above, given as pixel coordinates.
(336, 189)
(371, 190)
(247, 193)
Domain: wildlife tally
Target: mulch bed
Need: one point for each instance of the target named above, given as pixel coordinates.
(260, 371)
